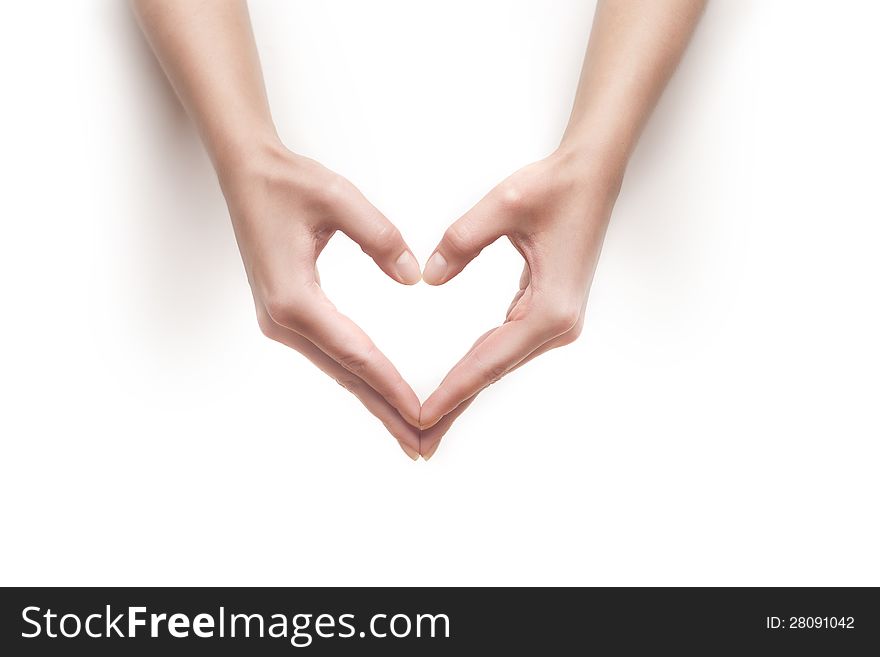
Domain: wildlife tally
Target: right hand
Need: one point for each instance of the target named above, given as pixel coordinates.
(285, 208)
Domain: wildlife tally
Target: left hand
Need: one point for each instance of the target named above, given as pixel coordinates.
(555, 213)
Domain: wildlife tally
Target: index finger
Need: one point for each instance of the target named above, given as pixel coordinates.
(405, 433)
(500, 352)
(345, 342)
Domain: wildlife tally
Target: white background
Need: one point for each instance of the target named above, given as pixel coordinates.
(717, 423)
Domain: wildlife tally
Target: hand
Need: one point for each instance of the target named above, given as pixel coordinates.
(555, 213)
(285, 208)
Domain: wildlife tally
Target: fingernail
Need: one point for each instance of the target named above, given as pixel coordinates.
(408, 268)
(426, 421)
(410, 452)
(435, 270)
(427, 455)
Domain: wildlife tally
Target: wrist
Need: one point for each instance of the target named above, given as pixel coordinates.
(246, 154)
(600, 166)
(237, 165)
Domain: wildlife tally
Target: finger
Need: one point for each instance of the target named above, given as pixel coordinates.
(463, 241)
(379, 239)
(561, 340)
(555, 343)
(524, 280)
(495, 356)
(406, 434)
(516, 298)
(315, 318)
(431, 437)
(476, 343)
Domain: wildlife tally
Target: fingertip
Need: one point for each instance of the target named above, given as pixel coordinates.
(407, 269)
(410, 408)
(430, 451)
(436, 269)
(429, 418)
(410, 416)
(409, 451)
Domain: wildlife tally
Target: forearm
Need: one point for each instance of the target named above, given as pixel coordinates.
(634, 47)
(207, 50)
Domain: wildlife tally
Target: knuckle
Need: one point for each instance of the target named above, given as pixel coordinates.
(282, 308)
(513, 196)
(490, 372)
(332, 189)
(267, 325)
(493, 373)
(562, 318)
(387, 237)
(458, 238)
(571, 335)
(350, 383)
(510, 196)
(357, 361)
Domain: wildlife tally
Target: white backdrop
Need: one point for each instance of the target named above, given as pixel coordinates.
(716, 423)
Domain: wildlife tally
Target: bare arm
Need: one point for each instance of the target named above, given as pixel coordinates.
(635, 45)
(555, 211)
(207, 50)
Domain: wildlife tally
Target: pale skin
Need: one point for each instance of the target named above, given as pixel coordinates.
(285, 207)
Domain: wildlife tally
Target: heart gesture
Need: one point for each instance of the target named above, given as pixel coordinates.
(285, 207)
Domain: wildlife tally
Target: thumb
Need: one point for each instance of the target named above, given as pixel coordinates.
(381, 240)
(463, 241)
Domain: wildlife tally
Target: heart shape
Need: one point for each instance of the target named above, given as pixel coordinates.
(422, 329)
(286, 213)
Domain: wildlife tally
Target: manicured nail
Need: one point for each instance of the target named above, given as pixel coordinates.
(427, 455)
(408, 268)
(410, 452)
(435, 270)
